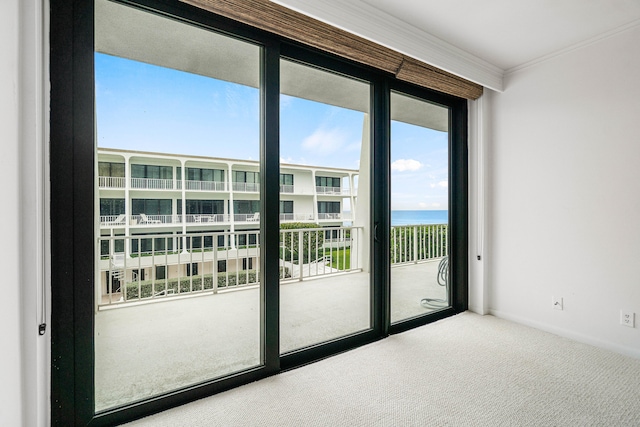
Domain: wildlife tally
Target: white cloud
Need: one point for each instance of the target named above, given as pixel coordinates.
(402, 165)
(423, 205)
(443, 184)
(324, 142)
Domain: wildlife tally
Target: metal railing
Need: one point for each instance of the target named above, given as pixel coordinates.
(287, 188)
(182, 264)
(152, 183)
(333, 191)
(287, 217)
(336, 215)
(112, 182)
(208, 218)
(414, 243)
(249, 187)
(203, 185)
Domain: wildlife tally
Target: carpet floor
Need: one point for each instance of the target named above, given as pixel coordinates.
(466, 370)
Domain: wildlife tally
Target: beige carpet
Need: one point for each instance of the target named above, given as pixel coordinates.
(467, 370)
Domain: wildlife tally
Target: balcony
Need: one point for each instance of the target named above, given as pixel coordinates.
(246, 187)
(288, 189)
(293, 217)
(152, 184)
(112, 182)
(333, 191)
(203, 186)
(332, 295)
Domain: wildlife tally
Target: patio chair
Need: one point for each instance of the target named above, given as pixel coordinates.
(146, 220)
(118, 221)
(254, 218)
(443, 280)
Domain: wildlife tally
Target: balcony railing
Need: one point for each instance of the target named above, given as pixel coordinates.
(253, 217)
(287, 188)
(112, 182)
(333, 191)
(224, 260)
(144, 219)
(333, 216)
(152, 183)
(249, 187)
(287, 217)
(415, 243)
(203, 186)
(208, 218)
(230, 260)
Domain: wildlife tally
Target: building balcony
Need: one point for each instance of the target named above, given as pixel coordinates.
(292, 217)
(152, 184)
(112, 182)
(203, 186)
(246, 187)
(333, 191)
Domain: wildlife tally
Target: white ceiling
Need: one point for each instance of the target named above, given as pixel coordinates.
(510, 33)
(476, 39)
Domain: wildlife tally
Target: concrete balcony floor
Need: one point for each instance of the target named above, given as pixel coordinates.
(147, 349)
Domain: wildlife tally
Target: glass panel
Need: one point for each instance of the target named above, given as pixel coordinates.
(419, 207)
(325, 280)
(168, 96)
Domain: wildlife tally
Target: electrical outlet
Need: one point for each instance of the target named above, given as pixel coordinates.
(627, 318)
(556, 303)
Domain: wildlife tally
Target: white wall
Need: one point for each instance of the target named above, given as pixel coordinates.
(563, 187)
(24, 356)
(10, 387)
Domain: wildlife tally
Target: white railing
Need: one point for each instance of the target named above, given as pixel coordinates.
(112, 220)
(208, 218)
(112, 182)
(336, 215)
(204, 186)
(144, 219)
(287, 188)
(333, 191)
(414, 243)
(254, 217)
(216, 261)
(296, 217)
(249, 187)
(152, 183)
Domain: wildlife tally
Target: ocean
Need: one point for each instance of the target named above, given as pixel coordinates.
(419, 217)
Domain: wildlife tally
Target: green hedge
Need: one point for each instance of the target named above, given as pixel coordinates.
(136, 290)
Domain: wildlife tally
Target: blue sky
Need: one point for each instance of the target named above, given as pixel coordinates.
(151, 108)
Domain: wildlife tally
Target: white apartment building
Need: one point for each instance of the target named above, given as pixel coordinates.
(176, 203)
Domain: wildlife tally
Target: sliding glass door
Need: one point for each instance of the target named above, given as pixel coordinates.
(324, 237)
(419, 238)
(229, 204)
(177, 289)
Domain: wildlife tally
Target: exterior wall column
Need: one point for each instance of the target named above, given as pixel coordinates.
(232, 219)
(362, 201)
(183, 220)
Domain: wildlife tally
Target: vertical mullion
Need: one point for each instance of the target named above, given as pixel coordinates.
(269, 206)
(380, 207)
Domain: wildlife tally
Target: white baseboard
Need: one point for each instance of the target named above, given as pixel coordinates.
(586, 339)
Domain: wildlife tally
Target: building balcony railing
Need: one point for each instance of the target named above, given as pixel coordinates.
(208, 218)
(203, 186)
(112, 182)
(249, 187)
(253, 217)
(286, 188)
(152, 183)
(288, 217)
(333, 191)
(330, 216)
(208, 262)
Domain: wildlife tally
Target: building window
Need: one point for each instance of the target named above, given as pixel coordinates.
(222, 266)
(328, 210)
(207, 175)
(151, 206)
(192, 269)
(111, 207)
(111, 169)
(161, 272)
(327, 181)
(202, 207)
(286, 206)
(247, 263)
(137, 275)
(151, 171)
(246, 206)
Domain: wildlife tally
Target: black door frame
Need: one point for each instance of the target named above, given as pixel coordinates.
(72, 188)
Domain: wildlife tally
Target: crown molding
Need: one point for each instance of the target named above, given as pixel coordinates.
(576, 46)
(370, 23)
